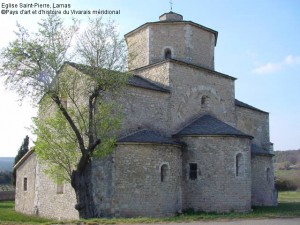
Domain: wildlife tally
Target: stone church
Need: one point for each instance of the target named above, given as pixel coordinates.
(186, 142)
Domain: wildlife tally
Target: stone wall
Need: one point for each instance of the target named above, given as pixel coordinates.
(103, 172)
(157, 73)
(188, 85)
(139, 190)
(144, 109)
(49, 202)
(254, 123)
(263, 189)
(187, 43)
(217, 188)
(25, 199)
(138, 48)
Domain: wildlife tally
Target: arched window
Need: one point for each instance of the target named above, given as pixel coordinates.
(239, 165)
(168, 53)
(163, 172)
(204, 101)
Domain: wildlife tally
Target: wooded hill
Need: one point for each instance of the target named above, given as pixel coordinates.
(287, 158)
(287, 170)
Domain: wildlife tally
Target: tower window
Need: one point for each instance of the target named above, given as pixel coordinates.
(204, 101)
(163, 172)
(168, 53)
(193, 171)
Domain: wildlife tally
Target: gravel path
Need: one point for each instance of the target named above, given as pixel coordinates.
(292, 221)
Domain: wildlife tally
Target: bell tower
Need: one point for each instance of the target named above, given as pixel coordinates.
(171, 38)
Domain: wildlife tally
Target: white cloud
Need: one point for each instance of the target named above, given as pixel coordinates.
(268, 68)
(292, 60)
(272, 67)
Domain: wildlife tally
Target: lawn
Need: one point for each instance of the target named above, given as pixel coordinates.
(9, 216)
(289, 196)
(289, 206)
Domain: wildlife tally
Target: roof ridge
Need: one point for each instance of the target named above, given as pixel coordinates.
(245, 105)
(187, 64)
(208, 125)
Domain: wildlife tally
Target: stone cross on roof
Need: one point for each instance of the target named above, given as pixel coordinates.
(171, 5)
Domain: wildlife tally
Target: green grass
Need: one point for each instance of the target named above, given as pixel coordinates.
(289, 196)
(289, 206)
(9, 216)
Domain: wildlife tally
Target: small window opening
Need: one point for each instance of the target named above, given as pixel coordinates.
(268, 175)
(60, 189)
(163, 172)
(239, 165)
(204, 101)
(168, 54)
(193, 171)
(25, 184)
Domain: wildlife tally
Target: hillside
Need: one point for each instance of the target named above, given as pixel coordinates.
(285, 159)
(287, 169)
(6, 163)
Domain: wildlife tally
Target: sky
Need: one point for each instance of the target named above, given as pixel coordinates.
(258, 43)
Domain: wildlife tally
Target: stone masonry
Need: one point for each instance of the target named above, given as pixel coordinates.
(185, 141)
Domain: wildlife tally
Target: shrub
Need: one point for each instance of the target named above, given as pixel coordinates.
(285, 185)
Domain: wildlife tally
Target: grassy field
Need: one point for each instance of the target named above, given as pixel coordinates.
(289, 196)
(289, 206)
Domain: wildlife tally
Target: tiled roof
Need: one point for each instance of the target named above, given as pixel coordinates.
(24, 158)
(256, 150)
(210, 126)
(186, 64)
(242, 104)
(134, 80)
(147, 136)
(138, 81)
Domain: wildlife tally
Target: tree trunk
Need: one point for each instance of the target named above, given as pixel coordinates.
(82, 184)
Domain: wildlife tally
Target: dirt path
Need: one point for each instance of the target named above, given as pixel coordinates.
(292, 221)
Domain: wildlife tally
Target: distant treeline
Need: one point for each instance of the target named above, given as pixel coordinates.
(291, 156)
(5, 177)
(6, 163)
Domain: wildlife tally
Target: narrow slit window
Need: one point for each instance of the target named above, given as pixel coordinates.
(163, 172)
(193, 171)
(239, 165)
(25, 185)
(268, 175)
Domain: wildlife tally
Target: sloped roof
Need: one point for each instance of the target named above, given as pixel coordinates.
(198, 67)
(24, 158)
(242, 104)
(138, 81)
(256, 150)
(147, 136)
(210, 126)
(134, 80)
